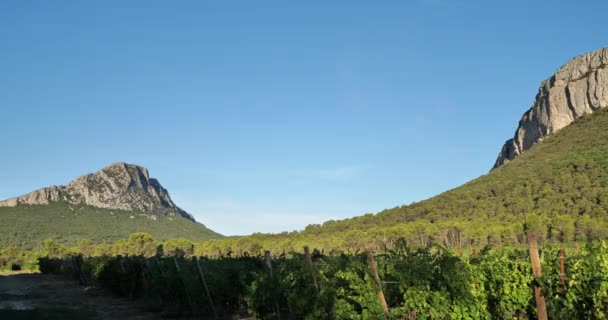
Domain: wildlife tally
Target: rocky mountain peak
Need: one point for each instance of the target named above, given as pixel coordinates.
(118, 186)
(577, 88)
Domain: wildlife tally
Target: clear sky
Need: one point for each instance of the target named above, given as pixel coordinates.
(266, 116)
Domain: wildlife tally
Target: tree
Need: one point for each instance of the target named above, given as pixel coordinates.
(103, 249)
(564, 226)
(535, 224)
(86, 247)
(141, 244)
(178, 248)
(53, 250)
(584, 226)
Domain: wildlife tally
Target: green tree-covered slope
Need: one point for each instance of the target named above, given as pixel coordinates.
(28, 226)
(563, 180)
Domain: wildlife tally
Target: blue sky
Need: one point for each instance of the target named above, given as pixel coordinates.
(266, 116)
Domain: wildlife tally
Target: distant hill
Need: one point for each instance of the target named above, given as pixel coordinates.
(559, 175)
(103, 206)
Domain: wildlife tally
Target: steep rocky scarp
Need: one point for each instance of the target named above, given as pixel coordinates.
(118, 186)
(577, 88)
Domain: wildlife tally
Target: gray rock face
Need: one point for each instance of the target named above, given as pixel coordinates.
(577, 88)
(118, 186)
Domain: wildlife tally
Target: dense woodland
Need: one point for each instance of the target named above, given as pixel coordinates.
(29, 226)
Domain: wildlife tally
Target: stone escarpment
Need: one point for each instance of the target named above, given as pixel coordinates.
(118, 186)
(577, 88)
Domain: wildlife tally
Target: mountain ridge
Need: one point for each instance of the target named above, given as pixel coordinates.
(120, 186)
(577, 88)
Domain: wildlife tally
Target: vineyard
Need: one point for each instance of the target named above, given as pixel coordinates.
(402, 283)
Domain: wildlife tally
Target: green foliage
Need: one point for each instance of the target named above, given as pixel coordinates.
(564, 227)
(28, 226)
(585, 294)
(535, 224)
(429, 283)
(15, 259)
(86, 247)
(52, 249)
(505, 276)
(179, 248)
(141, 244)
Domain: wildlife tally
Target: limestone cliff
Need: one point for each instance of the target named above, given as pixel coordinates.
(118, 186)
(577, 88)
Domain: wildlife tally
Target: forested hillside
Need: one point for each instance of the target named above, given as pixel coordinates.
(562, 180)
(104, 206)
(28, 226)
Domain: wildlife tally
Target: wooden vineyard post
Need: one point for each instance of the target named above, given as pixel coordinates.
(562, 270)
(77, 268)
(268, 260)
(310, 268)
(181, 280)
(176, 265)
(372, 266)
(161, 271)
(148, 279)
(122, 265)
(541, 308)
(146, 268)
(204, 282)
(160, 267)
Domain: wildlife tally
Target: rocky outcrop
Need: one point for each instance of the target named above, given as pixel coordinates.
(577, 88)
(118, 186)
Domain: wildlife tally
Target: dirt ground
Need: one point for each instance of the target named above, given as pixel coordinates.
(43, 296)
